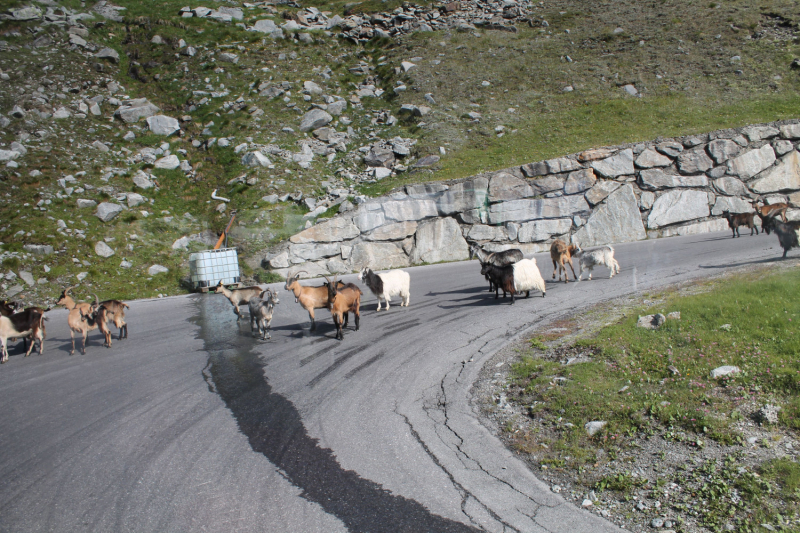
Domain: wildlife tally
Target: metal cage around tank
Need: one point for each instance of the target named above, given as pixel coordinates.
(209, 267)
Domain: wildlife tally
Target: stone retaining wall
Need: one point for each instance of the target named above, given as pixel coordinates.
(607, 195)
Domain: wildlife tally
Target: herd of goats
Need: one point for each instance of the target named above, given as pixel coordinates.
(507, 271)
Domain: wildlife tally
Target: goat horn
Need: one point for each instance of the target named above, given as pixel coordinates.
(297, 274)
(96, 300)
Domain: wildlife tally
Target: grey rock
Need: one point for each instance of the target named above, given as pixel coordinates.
(463, 196)
(759, 133)
(378, 256)
(264, 26)
(142, 180)
(782, 147)
(651, 321)
(380, 157)
(768, 414)
(299, 253)
(163, 125)
(752, 162)
(133, 110)
(85, 203)
(280, 261)
(423, 191)
(19, 148)
(512, 230)
(505, 186)
(270, 198)
(532, 170)
(440, 240)
(157, 269)
(562, 164)
(17, 112)
(548, 184)
(646, 200)
(311, 88)
(392, 232)
(333, 230)
(368, 220)
(316, 118)
(730, 186)
(100, 146)
(8, 155)
(109, 54)
(785, 176)
(337, 108)
(620, 164)
(678, 206)
(722, 150)
(617, 220)
(480, 232)
(670, 148)
(650, 158)
(107, 211)
(594, 426)
(103, 250)
(27, 277)
(427, 161)
(654, 179)
(694, 161)
(732, 204)
(630, 90)
(26, 13)
(129, 136)
(95, 110)
(38, 249)
(579, 181)
(169, 162)
(542, 230)
(410, 209)
(717, 172)
(790, 131)
(525, 210)
(600, 191)
(255, 159)
(726, 370)
(61, 113)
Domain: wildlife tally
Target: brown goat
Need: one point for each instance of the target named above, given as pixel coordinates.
(767, 214)
(343, 300)
(70, 304)
(238, 297)
(740, 219)
(561, 254)
(115, 312)
(309, 297)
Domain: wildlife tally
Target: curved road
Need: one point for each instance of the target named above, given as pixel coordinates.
(192, 425)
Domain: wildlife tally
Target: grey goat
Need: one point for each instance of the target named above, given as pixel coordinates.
(261, 310)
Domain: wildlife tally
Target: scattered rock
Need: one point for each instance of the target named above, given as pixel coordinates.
(727, 370)
(107, 211)
(109, 54)
(651, 321)
(163, 125)
(594, 426)
(103, 250)
(157, 269)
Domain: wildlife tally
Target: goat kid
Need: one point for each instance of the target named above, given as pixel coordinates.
(343, 301)
(310, 298)
(387, 284)
(522, 276)
(561, 254)
(261, 311)
(28, 322)
(238, 297)
(740, 219)
(603, 256)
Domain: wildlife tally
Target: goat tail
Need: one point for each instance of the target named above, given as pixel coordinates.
(125, 305)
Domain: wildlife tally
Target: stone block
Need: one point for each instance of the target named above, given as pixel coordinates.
(785, 176)
(334, 230)
(617, 220)
(542, 230)
(678, 206)
(440, 240)
(620, 164)
(525, 210)
(752, 162)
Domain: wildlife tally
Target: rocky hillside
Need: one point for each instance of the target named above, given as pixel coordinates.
(130, 132)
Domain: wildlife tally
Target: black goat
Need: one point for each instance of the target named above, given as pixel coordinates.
(740, 219)
(787, 234)
(504, 258)
(519, 277)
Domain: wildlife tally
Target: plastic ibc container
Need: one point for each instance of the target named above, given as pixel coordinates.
(208, 268)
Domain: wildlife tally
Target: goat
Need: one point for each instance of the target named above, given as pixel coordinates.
(9, 308)
(506, 257)
(28, 315)
(787, 234)
(740, 219)
(343, 300)
(310, 298)
(81, 321)
(28, 322)
(387, 284)
(66, 300)
(767, 212)
(519, 277)
(561, 254)
(588, 259)
(100, 316)
(261, 313)
(115, 312)
(238, 297)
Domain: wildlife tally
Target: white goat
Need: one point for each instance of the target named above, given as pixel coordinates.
(387, 284)
(527, 277)
(604, 256)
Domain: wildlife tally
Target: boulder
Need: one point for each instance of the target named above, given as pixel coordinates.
(440, 240)
(316, 118)
(107, 211)
(8, 155)
(542, 230)
(103, 250)
(727, 370)
(463, 196)
(402, 210)
(377, 256)
(169, 162)
(280, 261)
(651, 321)
(380, 157)
(157, 269)
(694, 161)
(751, 163)
(505, 186)
(311, 88)
(654, 179)
(481, 232)
(27, 277)
(82, 203)
(730, 186)
(142, 180)
(650, 158)
(785, 176)
(524, 210)
(133, 110)
(728, 203)
(337, 108)
(26, 13)
(678, 206)
(620, 164)
(759, 133)
(722, 150)
(264, 26)
(600, 191)
(163, 125)
(108, 53)
(579, 181)
(255, 159)
(333, 230)
(392, 232)
(617, 220)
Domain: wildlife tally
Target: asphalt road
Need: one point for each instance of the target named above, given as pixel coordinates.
(193, 425)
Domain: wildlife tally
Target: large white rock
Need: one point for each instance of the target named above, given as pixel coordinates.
(8, 155)
(790, 131)
(132, 110)
(751, 163)
(103, 250)
(730, 186)
(616, 220)
(107, 211)
(83, 202)
(678, 206)
(619, 164)
(785, 176)
(726, 370)
(401, 210)
(169, 162)
(163, 125)
(440, 240)
(525, 210)
(333, 230)
(264, 26)
(542, 230)
(255, 159)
